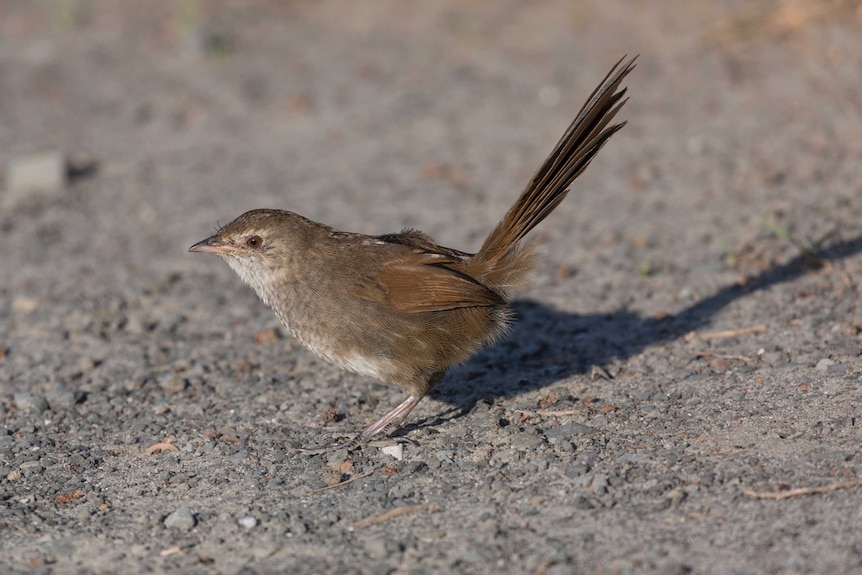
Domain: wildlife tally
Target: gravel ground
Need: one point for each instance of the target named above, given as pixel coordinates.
(688, 347)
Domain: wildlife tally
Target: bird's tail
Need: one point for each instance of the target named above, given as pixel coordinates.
(502, 260)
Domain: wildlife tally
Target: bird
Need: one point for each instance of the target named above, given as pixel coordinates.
(398, 307)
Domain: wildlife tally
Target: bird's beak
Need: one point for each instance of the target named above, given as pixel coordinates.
(213, 245)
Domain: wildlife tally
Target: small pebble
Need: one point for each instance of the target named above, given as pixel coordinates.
(30, 467)
(568, 429)
(61, 398)
(773, 358)
(375, 548)
(839, 369)
(249, 522)
(396, 451)
(413, 467)
(25, 304)
(58, 548)
(600, 484)
(181, 519)
(42, 172)
(577, 470)
(824, 364)
(86, 364)
(27, 401)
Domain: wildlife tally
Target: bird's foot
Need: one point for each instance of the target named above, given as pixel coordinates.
(380, 428)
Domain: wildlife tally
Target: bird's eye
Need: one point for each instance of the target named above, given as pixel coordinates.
(254, 242)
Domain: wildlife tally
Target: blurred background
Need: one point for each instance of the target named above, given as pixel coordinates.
(731, 201)
(128, 130)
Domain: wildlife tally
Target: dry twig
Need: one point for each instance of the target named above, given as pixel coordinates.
(170, 551)
(548, 412)
(557, 413)
(160, 447)
(728, 333)
(392, 514)
(345, 482)
(800, 491)
(744, 358)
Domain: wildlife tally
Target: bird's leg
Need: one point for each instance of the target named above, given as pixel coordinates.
(383, 426)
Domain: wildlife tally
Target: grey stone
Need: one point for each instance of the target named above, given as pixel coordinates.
(31, 467)
(60, 548)
(600, 484)
(526, 441)
(839, 369)
(375, 547)
(180, 519)
(43, 172)
(568, 429)
(61, 398)
(27, 401)
(824, 364)
(413, 467)
(577, 470)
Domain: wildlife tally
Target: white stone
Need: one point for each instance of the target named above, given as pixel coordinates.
(43, 172)
(396, 451)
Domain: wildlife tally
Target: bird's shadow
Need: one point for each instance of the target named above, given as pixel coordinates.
(548, 345)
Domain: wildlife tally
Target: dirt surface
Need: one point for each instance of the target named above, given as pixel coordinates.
(689, 344)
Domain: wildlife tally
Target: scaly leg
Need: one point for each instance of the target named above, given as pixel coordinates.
(383, 426)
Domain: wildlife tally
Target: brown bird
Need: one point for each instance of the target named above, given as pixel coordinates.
(399, 307)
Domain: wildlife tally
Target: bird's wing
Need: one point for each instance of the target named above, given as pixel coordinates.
(425, 282)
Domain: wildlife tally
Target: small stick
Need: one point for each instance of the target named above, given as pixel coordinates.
(159, 448)
(549, 412)
(710, 335)
(170, 551)
(397, 512)
(744, 358)
(800, 491)
(345, 482)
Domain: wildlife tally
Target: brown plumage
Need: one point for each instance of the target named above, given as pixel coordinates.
(399, 307)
